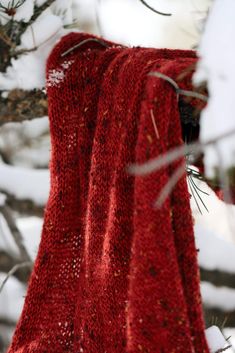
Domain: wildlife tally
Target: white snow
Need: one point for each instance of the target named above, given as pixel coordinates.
(131, 23)
(7, 242)
(218, 297)
(27, 144)
(11, 298)
(216, 66)
(221, 217)
(230, 333)
(215, 339)
(64, 10)
(31, 229)
(25, 183)
(23, 12)
(2, 199)
(215, 253)
(45, 27)
(40, 2)
(56, 76)
(28, 70)
(35, 127)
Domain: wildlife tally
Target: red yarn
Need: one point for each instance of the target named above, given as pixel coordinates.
(113, 274)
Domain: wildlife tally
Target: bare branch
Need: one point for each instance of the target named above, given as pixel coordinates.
(166, 190)
(8, 261)
(178, 90)
(7, 214)
(223, 349)
(13, 270)
(25, 207)
(175, 154)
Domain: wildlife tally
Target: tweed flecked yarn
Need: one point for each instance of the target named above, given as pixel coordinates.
(113, 273)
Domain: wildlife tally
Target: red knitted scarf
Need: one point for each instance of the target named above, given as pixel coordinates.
(113, 273)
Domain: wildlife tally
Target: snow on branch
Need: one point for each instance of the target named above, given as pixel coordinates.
(15, 181)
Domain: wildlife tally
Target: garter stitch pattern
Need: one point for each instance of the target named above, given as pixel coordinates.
(113, 273)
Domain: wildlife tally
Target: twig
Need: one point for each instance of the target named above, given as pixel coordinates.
(166, 190)
(176, 153)
(178, 90)
(13, 270)
(8, 261)
(38, 10)
(154, 10)
(88, 40)
(6, 39)
(7, 214)
(224, 349)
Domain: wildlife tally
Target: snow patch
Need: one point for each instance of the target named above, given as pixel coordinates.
(28, 70)
(12, 296)
(216, 67)
(215, 339)
(25, 183)
(7, 242)
(2, 199)
(55, 77)
(218, 297)
(215, 253)
(31, 230)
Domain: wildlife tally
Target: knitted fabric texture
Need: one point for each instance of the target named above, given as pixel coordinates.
(113, 274)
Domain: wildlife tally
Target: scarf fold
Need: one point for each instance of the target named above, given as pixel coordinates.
(113, 274)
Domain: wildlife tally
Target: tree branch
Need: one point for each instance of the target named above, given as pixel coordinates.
(13, 271)
(22, 105)
(218, 278)
(7, 214)
(38, 10)
(7, 262)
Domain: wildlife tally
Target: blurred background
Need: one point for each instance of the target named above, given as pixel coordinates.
(25, 42)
